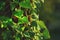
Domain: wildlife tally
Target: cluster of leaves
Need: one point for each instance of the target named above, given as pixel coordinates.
(24, 23)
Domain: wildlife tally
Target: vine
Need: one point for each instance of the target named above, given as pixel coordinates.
(24, 23)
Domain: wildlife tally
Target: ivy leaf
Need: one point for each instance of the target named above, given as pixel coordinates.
(17, 38)
(41, 24)
(18, 13)
(25, 19)
(25, 4)
(46, 34)
(37, 37)
(43, 29)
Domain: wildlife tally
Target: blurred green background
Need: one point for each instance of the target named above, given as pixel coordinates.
(52, 18)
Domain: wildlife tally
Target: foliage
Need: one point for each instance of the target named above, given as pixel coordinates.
(24, 23)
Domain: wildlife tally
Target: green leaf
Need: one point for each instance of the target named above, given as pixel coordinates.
(37, 38)
(41, 24)
(18, 13)
(21, 28)
(17, 38)
(25, 19)
(25, 4)
(46, 34)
